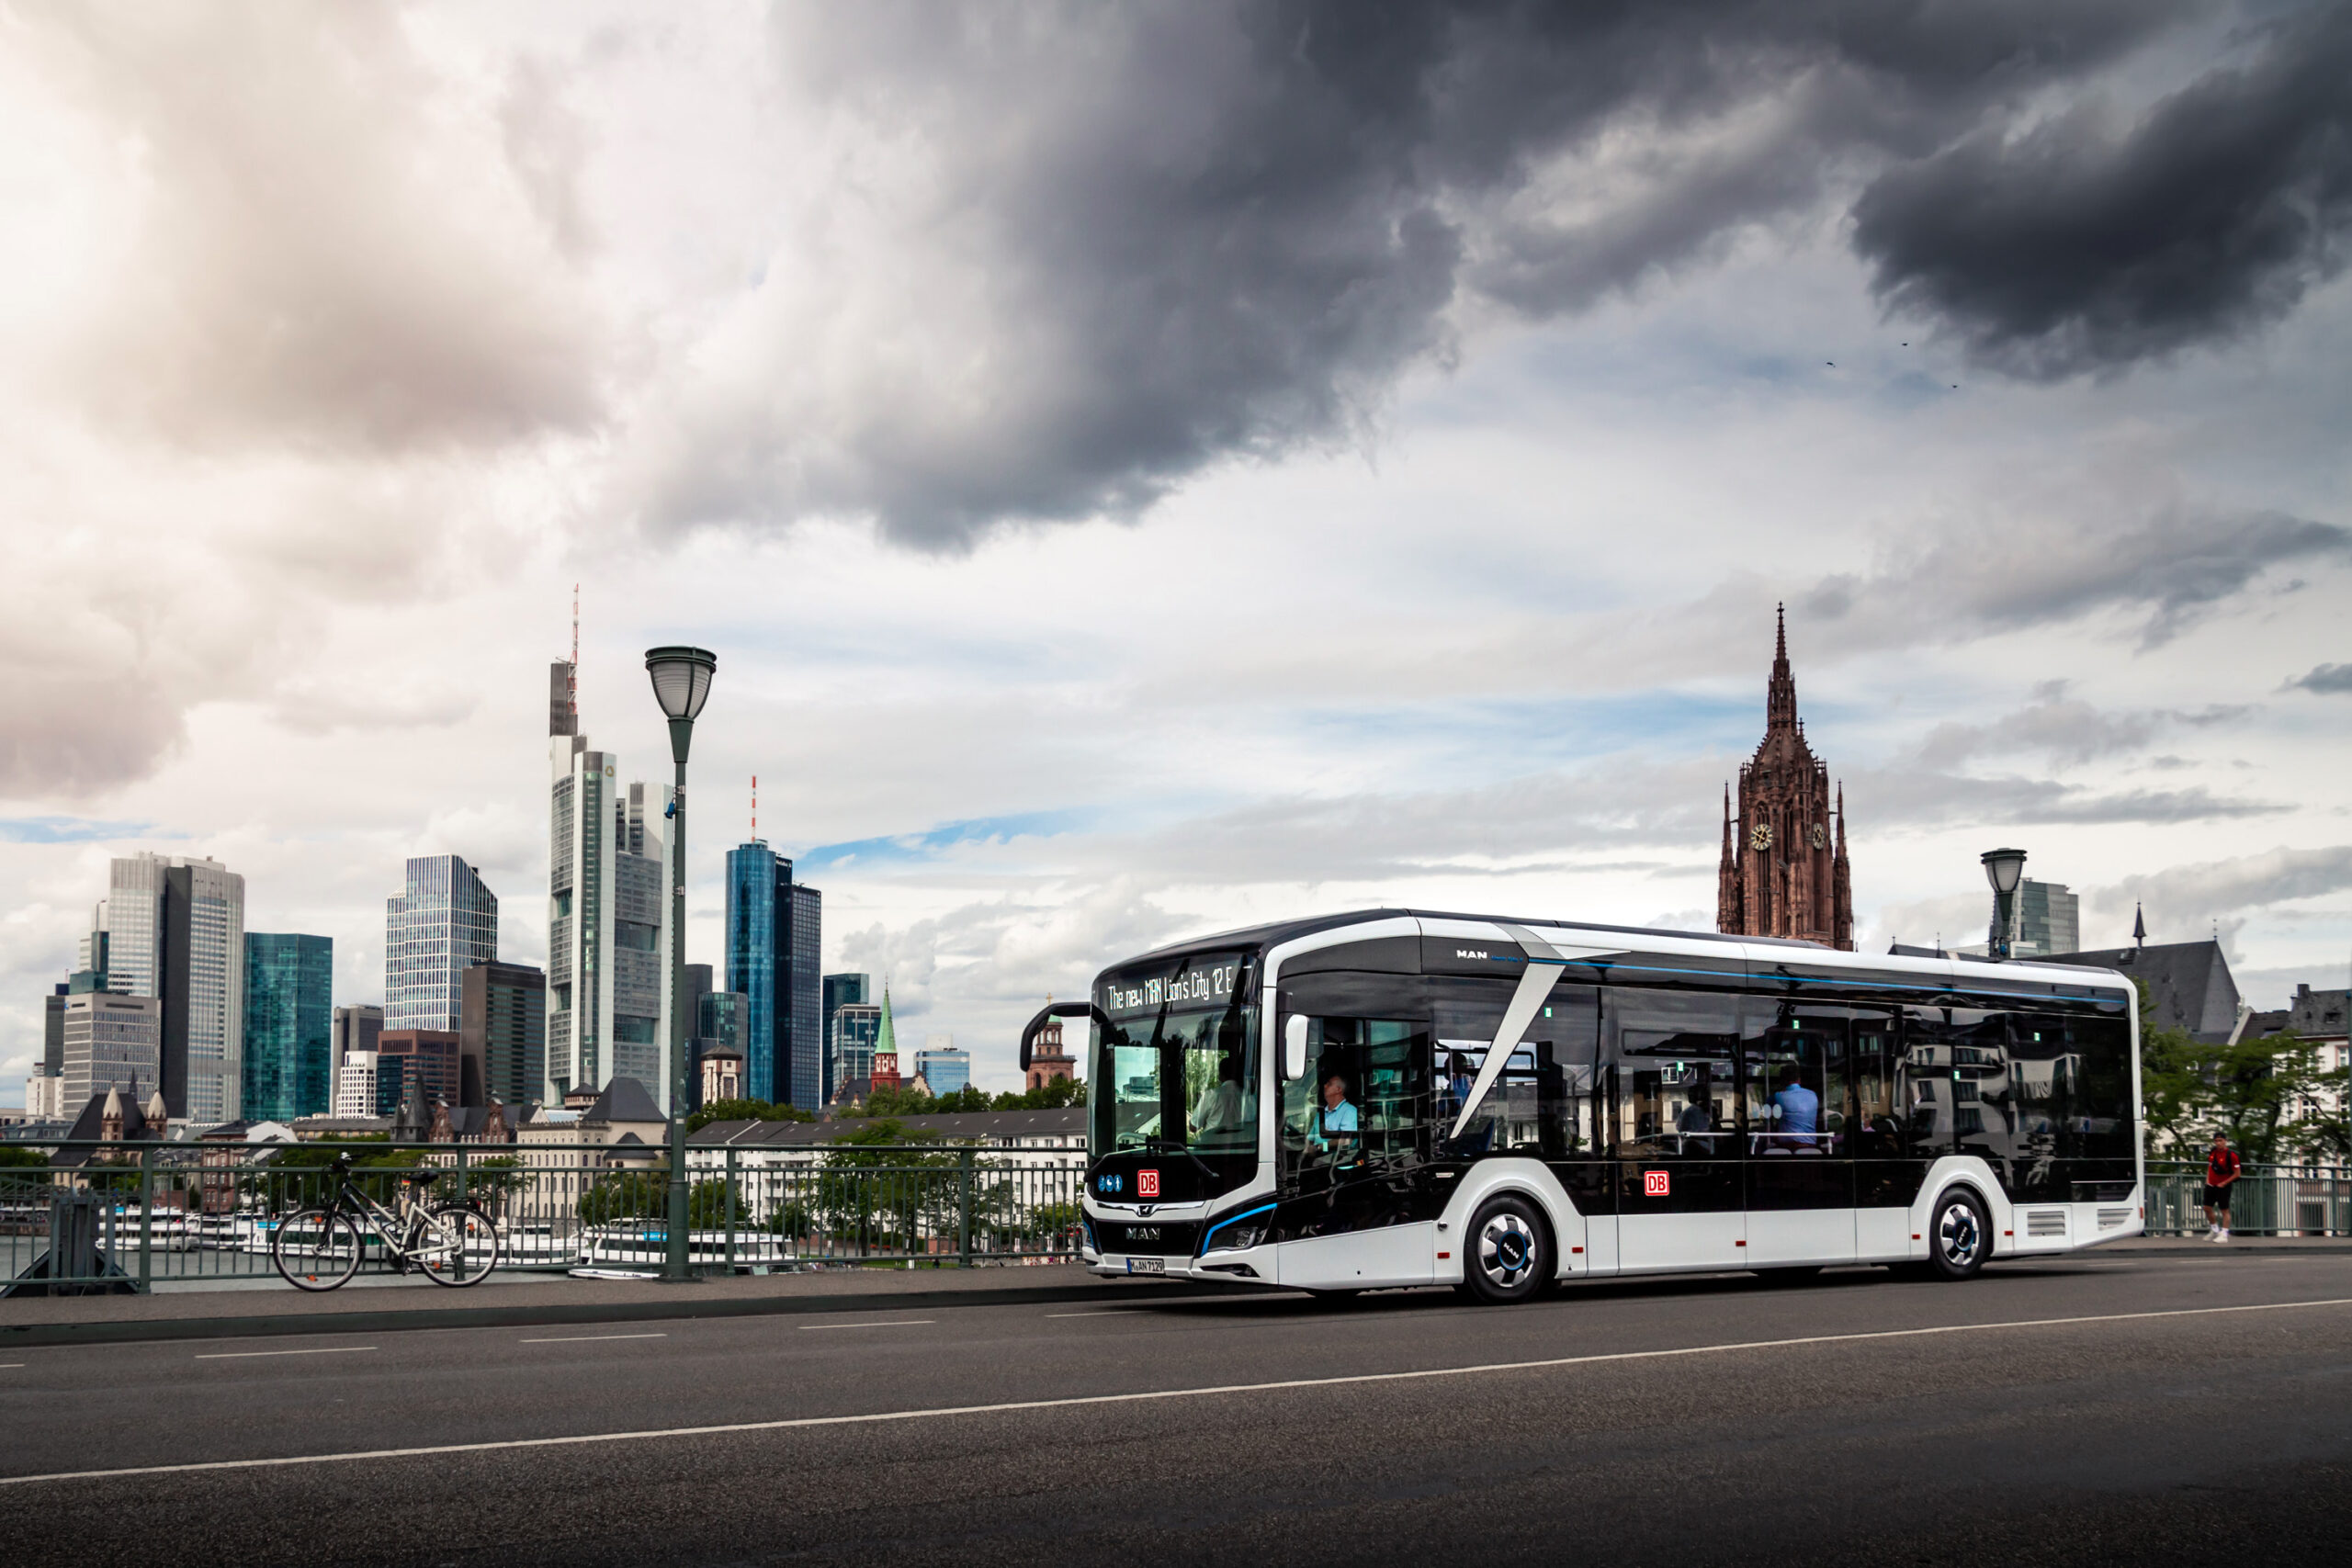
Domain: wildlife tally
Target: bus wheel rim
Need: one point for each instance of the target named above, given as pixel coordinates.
(1504, 1249)
(1957, 1234)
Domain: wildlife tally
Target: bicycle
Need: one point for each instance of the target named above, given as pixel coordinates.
(318, 1248)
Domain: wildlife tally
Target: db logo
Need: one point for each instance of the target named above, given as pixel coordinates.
(1146, 1184)
(1654, 1184)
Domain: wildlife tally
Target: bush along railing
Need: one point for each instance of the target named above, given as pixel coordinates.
(2266, 1200)
(124, 1216)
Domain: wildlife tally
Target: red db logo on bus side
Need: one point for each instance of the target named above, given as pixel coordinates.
(1146, 1184)
(1654, 1184)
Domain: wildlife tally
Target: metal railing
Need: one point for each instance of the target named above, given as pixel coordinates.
(2266, 1200)
(132, 1216)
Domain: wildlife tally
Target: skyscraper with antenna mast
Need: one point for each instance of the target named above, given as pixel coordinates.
(775, 957)
(609, 999)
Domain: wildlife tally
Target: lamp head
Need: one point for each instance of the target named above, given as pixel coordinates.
(681, 682)
(681, 679)
(2003, 868)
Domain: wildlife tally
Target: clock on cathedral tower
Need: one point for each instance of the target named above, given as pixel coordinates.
(1784, 871)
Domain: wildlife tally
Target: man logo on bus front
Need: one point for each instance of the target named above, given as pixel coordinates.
(1146, 1184)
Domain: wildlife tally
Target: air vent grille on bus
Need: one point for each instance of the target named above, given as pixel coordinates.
(2112, 1219)
(2046, 1222)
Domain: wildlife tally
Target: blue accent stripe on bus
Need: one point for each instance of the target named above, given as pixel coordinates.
(1867, 982)
(1231, 1219)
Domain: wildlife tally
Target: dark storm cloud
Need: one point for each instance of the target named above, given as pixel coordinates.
(1160, 237)
(2172, 568)
(2083, 246)
(2184, 897)
(2329, 679)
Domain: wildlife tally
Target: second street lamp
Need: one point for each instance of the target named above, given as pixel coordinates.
(681, 682)
(2002, 869)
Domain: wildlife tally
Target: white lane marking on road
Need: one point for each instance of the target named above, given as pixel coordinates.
(584, 1338)
(9, 1366)
(249, 1355)
(892, 1323)
(1075, 1400)
(1115, 1311)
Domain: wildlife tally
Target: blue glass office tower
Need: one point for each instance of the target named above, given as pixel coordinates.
(289, 1020)
(774, 940)
(840, 990)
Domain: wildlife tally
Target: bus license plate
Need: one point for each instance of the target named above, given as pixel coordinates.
(1147, 1266)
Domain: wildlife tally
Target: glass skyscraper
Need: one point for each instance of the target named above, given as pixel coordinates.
(840, 990)
(775, 957)
(608, 915)
(289, 1015)
(442, 926)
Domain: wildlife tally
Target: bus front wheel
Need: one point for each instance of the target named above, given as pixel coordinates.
(1510, 1252)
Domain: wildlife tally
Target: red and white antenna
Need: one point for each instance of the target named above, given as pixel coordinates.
(572, 682)
(756, 809)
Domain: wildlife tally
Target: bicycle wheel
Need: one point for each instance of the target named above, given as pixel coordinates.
(315, 1250)
(459, 1246)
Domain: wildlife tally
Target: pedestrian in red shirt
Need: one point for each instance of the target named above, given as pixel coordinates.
(2221, 1175)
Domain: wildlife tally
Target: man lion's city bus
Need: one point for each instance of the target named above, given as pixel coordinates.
(1394, 1097)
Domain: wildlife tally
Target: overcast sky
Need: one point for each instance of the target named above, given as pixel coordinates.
(1148, 469)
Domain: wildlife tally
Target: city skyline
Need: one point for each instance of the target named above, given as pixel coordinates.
(1070, 595)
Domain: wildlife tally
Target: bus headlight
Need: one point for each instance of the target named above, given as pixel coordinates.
(1240, 1237)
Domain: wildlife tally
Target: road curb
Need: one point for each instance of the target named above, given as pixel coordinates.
(557, 1314)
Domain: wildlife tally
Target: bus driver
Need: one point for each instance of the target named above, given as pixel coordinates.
(1338, 1115)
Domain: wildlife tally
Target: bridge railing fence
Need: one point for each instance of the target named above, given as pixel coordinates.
(2266, 1200)
(136, 1215)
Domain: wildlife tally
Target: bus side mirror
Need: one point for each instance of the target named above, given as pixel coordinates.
(1295, 1046)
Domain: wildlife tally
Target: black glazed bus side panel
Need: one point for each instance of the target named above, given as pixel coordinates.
(1591, 1184)
(1692, 1187)
(1800, 1181)
(1369, 1203)
(1888, 1184)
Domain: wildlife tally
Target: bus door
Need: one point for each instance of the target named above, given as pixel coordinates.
(1674, 1058)
(1797, 1068)
(1355, 1149)
(1902, 1122)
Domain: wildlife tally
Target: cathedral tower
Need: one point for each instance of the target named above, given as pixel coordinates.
(1783, 871)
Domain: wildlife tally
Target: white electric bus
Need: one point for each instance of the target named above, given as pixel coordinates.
(1397, 1098)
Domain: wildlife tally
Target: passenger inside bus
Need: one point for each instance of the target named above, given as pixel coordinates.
(1797, 1111)
(1219, 1110)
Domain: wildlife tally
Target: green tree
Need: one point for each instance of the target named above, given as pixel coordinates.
(886, 1198)
(745, 1111)
(2263, 1093)
(625, 1195)
(1052, 1096)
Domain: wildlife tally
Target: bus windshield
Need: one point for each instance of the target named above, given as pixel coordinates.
(1177, 1065)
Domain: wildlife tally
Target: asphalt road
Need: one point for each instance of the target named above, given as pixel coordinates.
(2105, 1409)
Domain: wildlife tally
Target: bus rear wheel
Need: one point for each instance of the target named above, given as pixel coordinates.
(1509, 1258)
(1960, 1237)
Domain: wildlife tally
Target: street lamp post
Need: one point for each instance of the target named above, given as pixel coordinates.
(2002, 869)
(681, 682)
